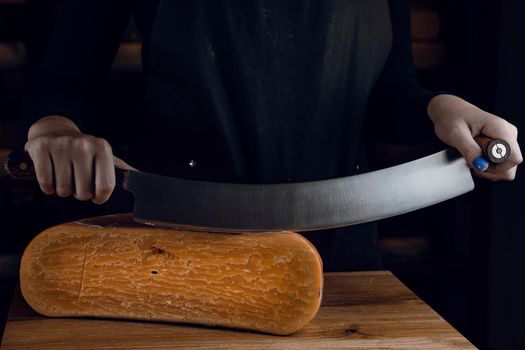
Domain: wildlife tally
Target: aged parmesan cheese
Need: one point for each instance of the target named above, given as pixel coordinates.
(112, 267)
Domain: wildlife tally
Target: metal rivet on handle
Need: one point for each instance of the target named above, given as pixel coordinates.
(499, 151)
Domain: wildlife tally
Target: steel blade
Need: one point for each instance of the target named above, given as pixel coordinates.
(305, 206)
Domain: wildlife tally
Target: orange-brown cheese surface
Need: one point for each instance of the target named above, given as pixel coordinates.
(111, 267)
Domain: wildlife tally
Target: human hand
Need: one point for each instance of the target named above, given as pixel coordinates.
(457, 122)
(68, 161)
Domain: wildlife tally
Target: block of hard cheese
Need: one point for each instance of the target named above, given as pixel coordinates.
(111, 267)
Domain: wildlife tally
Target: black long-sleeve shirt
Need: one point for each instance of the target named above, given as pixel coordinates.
(87, 35)
(253, 91)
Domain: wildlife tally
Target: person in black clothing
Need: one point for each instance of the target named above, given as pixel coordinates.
(260, 91)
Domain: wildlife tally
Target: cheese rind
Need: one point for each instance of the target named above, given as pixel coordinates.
(111, 267)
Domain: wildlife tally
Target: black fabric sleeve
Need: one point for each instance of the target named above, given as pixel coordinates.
(86, 36)
(398, 104)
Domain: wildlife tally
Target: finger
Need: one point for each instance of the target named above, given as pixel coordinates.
(63, 175)
(460, 137)
(104, 176)
(83, 174)
(43, 165)
(515, 157)
(119, 163)
(508, 175)
(505, 166)
(499, 128)
(515, 153)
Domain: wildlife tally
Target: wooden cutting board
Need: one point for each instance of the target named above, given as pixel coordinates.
(360, 310)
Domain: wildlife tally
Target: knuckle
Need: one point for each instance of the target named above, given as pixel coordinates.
(61, 142)
(453, 128)
(455, 134)
(512, 128)
(82, 144)
(38, 145)
(103, 145)
(500, 121)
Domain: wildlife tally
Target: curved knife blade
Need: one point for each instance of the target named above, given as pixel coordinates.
(305, 206)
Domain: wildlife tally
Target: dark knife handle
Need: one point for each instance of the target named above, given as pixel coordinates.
(494, 150)
(19, 165)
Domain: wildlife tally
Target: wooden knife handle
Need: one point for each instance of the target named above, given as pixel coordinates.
(19, 165)
(494, 150)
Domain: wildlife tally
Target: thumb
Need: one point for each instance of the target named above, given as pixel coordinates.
(120, 164)
(461, 138)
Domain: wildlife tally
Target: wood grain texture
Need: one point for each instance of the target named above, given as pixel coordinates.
(360, 310)
(112, 267)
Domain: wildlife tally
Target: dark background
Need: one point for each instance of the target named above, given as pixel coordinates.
(463, 257)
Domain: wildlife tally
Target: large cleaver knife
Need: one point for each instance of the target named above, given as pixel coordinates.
(304, 206)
